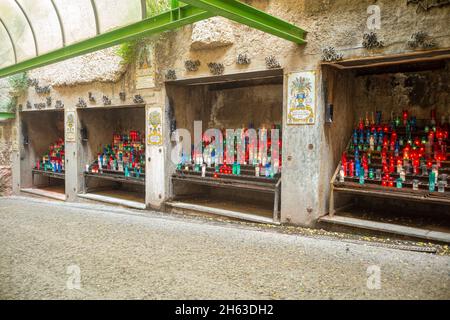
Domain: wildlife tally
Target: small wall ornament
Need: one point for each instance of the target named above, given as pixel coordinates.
(106, 100)
(192, 65)
(138, 99)
(39, 106)
(272, 63)
(216, 68)
(91, 97)
(370, 41)
(243, 59)
(421, 40)
(42, 90)
(122, 96)
(428, 4)
(329, 54)
(48, 100)
(81, 103)
(32, 82)
(29, 106)
(59, 104)
(171, 75)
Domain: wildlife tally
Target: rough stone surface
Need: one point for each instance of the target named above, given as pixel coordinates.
(5, 142)
(339, 23)
(420, 92)
(5, 181)
(101, 66)
(212, 33)
(151, 256)
(5, 157)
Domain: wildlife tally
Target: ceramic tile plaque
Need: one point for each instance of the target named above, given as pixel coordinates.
(301, 100)
(154, 122)
(70, 127)
(15, 139)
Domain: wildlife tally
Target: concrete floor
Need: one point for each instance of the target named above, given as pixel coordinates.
(122, 253)
(121, 194)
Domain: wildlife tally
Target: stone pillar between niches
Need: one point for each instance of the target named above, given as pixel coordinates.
(155, 167)
(71, 154)
(301, 196)
(16, 136)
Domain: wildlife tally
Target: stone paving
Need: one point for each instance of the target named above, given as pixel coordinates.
(51, 250)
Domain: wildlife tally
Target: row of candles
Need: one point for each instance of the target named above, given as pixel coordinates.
(125, 155)
(406, 155)
(408, 121)
(259, 153)
(53, 159)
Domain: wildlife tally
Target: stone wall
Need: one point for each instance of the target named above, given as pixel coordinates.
(101, 66)
(418, 92)
(259, 105)
(5, 157)
(338, 23)
(312, 150)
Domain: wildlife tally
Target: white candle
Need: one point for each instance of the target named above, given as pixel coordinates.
(257, 171)
(203, 170)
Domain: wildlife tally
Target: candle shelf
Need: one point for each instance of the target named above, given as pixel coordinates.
(246, 181)
(403, 162)
(49, 174)
(119, 178)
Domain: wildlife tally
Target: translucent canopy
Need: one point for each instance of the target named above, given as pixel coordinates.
(29, 28)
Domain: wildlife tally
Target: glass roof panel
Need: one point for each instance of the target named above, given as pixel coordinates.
(77, 18)
(39, 27)
(6, 48)
(19, 29)
(45, 24)
(130, 12)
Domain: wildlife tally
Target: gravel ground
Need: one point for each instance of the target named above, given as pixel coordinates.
(123, 254)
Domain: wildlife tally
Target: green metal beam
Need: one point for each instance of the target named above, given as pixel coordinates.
(163, 22)
(7, 115)
(245, 14)
(175, 6)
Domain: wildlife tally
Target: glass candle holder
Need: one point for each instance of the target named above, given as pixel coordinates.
(435, 170)
(441, 186)
(403, 175)
(415, 185)
(204, 170)
(361, 177)
(432, 186)
(378, 174)
(371, 174)
(424, 170)
(444, 178)
(341, 176)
